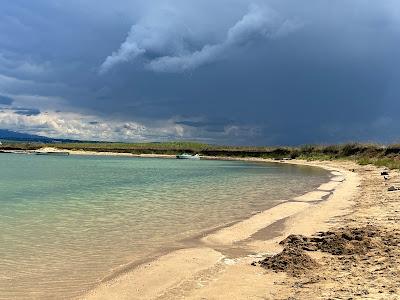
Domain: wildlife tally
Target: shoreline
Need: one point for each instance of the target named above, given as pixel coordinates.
(163, 277)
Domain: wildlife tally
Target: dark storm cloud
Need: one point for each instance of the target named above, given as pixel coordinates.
(4, 100)
(238, 71)
(26, 111)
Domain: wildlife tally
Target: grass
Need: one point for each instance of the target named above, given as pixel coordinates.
(390, 163)
(378, 155)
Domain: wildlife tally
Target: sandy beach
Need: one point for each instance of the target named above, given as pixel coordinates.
(338, 241)
(220, 265)
(217, 150)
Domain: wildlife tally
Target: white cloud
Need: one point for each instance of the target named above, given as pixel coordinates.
(186, 62)
(89, 127)
(170, 47)
(161, 31)
(128, 51)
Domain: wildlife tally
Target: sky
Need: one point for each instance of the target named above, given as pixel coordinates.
(271, 72)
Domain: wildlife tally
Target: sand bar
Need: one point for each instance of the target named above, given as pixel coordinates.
(312, 196)
(331, 185)
(246, 228)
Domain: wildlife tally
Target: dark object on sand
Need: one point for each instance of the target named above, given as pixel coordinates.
(384, 173)
(291, 260)
(347, 241)
(55, 153)
(393, 188)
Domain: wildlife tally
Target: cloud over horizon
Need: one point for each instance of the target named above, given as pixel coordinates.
(58, 124)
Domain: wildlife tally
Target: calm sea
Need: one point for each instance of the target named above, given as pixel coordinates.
(66, 223)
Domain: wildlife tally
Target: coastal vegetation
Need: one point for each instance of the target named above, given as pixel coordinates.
(378, 155)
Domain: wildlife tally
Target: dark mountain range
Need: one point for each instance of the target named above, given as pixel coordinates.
(10, 135)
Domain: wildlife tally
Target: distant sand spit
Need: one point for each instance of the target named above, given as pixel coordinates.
(95, 153)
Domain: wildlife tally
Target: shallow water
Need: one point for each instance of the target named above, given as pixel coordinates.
(66, 223)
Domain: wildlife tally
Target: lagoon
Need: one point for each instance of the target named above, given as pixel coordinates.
(68, 223)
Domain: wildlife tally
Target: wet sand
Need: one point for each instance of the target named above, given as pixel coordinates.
(219, 267)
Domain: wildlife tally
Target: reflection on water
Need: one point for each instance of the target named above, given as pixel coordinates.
(68, 222)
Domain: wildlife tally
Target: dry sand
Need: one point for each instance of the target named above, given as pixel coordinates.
(371, 275)
(221, 267)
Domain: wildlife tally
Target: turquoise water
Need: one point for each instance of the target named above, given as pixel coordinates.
(66, 223)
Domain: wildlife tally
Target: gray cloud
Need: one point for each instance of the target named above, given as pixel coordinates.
(170, 46)
(6, 100)
(280, 72)
(26, 111)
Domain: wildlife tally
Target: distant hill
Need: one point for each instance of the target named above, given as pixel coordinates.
(10, 135)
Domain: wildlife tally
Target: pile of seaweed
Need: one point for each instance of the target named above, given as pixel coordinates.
(291, 260)
(344, 241)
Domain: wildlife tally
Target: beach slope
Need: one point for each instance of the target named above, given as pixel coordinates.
(220, 266)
